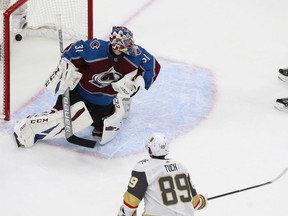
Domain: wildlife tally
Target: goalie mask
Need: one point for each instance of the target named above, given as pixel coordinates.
(121, 38)
(157, 145)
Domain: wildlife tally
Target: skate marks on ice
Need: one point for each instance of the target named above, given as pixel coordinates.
(181, 98)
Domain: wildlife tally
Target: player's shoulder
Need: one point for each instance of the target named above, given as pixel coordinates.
(91, 44)
(149, 164)
(140, 51)
(143, 162)
(143, 165)
(96, 43)
(178, 163)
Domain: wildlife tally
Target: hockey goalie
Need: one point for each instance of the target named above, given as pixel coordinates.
(101, 77)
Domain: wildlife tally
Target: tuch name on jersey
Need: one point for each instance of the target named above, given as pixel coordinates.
(171, 167)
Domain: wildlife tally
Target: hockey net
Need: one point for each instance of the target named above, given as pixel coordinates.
(24, 18)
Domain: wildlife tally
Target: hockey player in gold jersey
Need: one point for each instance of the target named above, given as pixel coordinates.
(163, 183)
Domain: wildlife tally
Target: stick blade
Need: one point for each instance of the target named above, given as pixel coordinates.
(81, 141)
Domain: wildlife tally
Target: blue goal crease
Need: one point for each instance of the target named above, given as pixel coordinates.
(180, 98)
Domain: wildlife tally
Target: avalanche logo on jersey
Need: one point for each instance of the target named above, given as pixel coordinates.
(105, 78)
(95, 44)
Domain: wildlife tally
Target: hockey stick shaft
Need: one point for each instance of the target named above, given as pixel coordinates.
(251, 187)
(65, 96)
(60, 35)
(70, 137)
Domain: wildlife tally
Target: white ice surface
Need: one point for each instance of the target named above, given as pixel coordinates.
(241, 143)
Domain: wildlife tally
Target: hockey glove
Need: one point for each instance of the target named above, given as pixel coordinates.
(200, 201)
(126, 211)
(65, 76)
(128, 87)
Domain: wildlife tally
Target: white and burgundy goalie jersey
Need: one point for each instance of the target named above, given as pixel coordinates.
(165, 186)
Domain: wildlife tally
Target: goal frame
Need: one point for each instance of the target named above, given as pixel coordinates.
(7, 50)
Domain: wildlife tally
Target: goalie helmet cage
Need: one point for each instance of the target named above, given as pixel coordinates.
(77, 22)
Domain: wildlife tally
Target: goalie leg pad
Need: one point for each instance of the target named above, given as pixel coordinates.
(126, 105)
(49, 125)
(112, 124)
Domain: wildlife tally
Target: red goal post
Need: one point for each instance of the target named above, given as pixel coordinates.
(38, 17)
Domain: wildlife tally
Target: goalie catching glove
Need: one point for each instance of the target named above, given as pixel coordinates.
(65, 76)
(128, 86)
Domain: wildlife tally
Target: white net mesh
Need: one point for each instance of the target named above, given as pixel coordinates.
(41, 18)
(4, 4)
(38, 18)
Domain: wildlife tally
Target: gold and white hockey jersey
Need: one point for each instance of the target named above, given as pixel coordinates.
(165, 186)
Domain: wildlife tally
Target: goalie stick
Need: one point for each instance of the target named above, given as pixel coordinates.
(70, 136)
(248, 188)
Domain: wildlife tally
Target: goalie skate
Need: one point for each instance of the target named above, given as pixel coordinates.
(282, 104)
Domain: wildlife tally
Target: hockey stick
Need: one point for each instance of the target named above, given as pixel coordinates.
(70, 136)
(248, 188)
